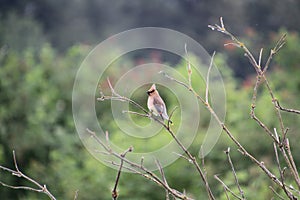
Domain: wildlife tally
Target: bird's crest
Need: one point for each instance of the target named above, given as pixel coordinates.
(152, 89)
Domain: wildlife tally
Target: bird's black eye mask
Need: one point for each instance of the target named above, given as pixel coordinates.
(149, 92)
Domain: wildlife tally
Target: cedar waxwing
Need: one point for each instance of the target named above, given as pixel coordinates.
(156, 105)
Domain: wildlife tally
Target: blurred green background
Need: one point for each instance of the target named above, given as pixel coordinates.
(42, 44)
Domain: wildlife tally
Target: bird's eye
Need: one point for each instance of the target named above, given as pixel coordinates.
(151, 91)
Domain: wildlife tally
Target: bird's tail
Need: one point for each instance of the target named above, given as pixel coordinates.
(165, 117)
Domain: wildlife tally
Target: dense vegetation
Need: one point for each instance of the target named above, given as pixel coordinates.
(39, 57)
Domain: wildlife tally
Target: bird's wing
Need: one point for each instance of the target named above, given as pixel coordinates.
(159, 106)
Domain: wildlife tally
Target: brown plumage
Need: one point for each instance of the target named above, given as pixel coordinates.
(156, 105)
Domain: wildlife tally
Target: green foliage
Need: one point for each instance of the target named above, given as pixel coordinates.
(36, 120)
(36, 105)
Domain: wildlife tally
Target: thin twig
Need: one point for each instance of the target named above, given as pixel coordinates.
(276, 193)
(286, 109)
(207, 77)
(171, 114)
(228, 132)
(252, 60)
(227, 188)
(135, 171)
(114, 191)
(18, 173)
(288, 157)
(76, 194)
(162, 173)
(189, 68)
(226, 193)
(203, 161)
(136, 113)
(167, 127)
(142, 162)
(273, 51)
(275, 139)
(253, 105)
(137, 168)
(183, 84)
(260, 57)
(182, 156)
(117, 97)
(107, 139)
(227, 152)
(291, 158)
(20, 187)
(222, 29)
(261, 74)
(280, 170)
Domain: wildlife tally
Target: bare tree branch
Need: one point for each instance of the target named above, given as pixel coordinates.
(137, 168)
(189, 68)
(40, 188)
(281, 172)
(261, 75)
(273, 51)
(162, 173)
(207, 77)
(252, 113)
(228, 132)
(286, 109)
(293, 165)
(76, 194)
(276, 193)
(166, 127)
(227, 152)
(227, 188)
(114, 191)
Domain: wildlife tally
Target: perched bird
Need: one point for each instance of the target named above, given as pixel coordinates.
(156, 105)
